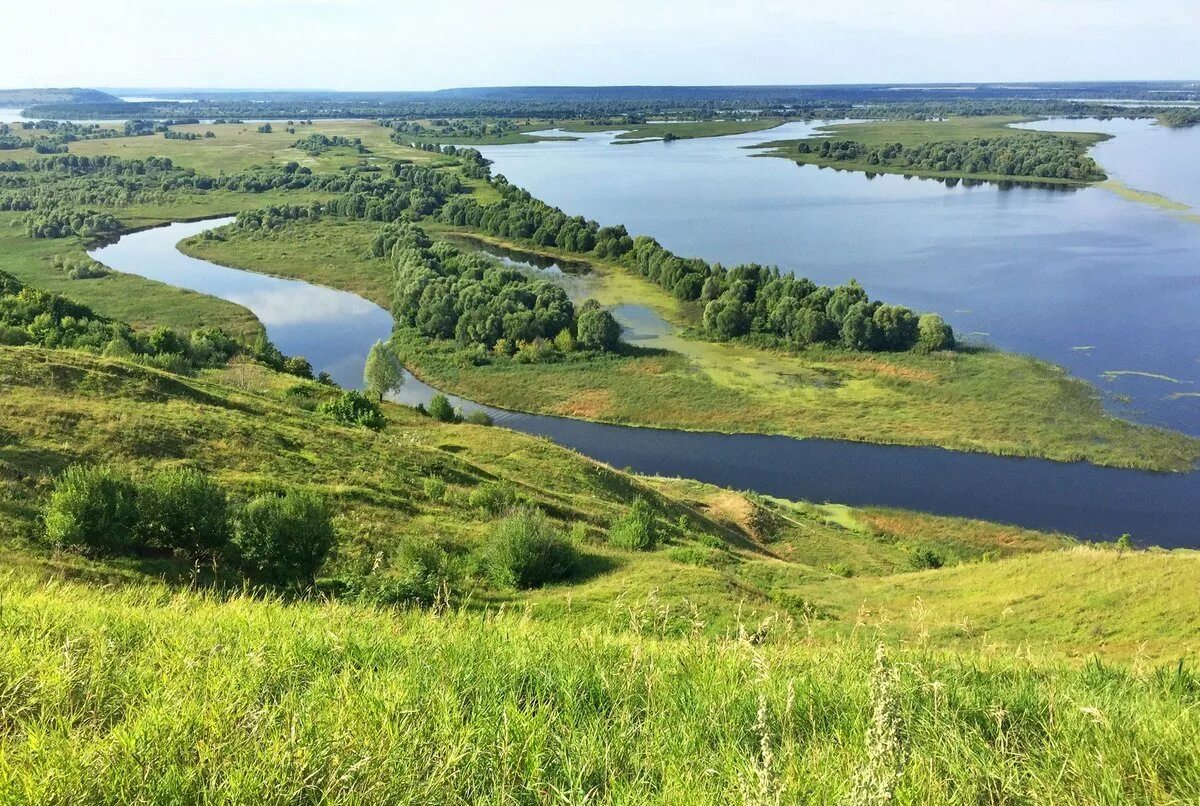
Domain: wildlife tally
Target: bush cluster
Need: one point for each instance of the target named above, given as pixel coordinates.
(273, 539)
(526, 550)
(636, 529)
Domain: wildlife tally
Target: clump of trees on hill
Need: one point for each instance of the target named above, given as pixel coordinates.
(275, 539)
(316, 144)
(446, 293)
(1044, 155)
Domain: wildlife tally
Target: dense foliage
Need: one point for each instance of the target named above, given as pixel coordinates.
(1044, 155)
(284, 539)
(1181, 118)
(49, 136)
(446, 293)
(32, 316)
(316, 143)
(101, 511)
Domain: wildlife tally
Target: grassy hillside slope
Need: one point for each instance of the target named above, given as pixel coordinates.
(148, 694)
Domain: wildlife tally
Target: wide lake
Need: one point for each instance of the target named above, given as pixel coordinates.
(334, 330)
(1086, 278)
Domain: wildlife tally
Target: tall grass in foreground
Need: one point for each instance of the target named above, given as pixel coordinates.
(144, 694)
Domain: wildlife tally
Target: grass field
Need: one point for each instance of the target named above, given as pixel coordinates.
(237, 146)
(842, 568)
(141, 693)
(916, 132)
(64, 407)
(975, 400)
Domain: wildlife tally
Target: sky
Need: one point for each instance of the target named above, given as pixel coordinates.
(405, 45)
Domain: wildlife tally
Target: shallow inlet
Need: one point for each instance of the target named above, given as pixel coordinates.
(335, 330)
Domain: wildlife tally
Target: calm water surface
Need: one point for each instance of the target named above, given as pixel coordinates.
(1107, 287)
(335, 330)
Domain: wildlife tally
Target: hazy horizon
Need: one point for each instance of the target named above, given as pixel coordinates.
(373, 45)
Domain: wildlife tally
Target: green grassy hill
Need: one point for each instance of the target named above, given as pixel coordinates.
(734, 663)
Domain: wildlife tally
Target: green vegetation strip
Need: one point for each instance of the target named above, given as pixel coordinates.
(984, 148)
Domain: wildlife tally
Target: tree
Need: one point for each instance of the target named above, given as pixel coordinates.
(858, 327)
(934, 334)
(284, 540)
(895, 327)
(635, 529)
(184, 510)
(383, 372)
(844, 296)
(93, 509)
(441, 410)
(596, 328)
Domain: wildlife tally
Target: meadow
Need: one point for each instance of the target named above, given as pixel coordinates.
(145, 693)
(237, 146)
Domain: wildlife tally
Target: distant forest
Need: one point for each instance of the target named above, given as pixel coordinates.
(593, 102)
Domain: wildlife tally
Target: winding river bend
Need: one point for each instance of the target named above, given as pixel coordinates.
(335, 330)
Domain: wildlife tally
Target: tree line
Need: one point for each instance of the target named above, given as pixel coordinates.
(748, 300)
(1048, 156)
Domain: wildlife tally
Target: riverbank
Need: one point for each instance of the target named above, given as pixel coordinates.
(973, 400)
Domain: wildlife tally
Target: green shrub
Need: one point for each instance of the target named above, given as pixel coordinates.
(184, 510)
(493, 497)
(703, 557)
(841, 570)
(636, 529)
(298, 365)
(420, 572)
(926, 558)
(441, 410)
(354, 408)
(435, 488)
(170, 362)
(526, 550)
(479, 417)
(284, 539)
(94, 510)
